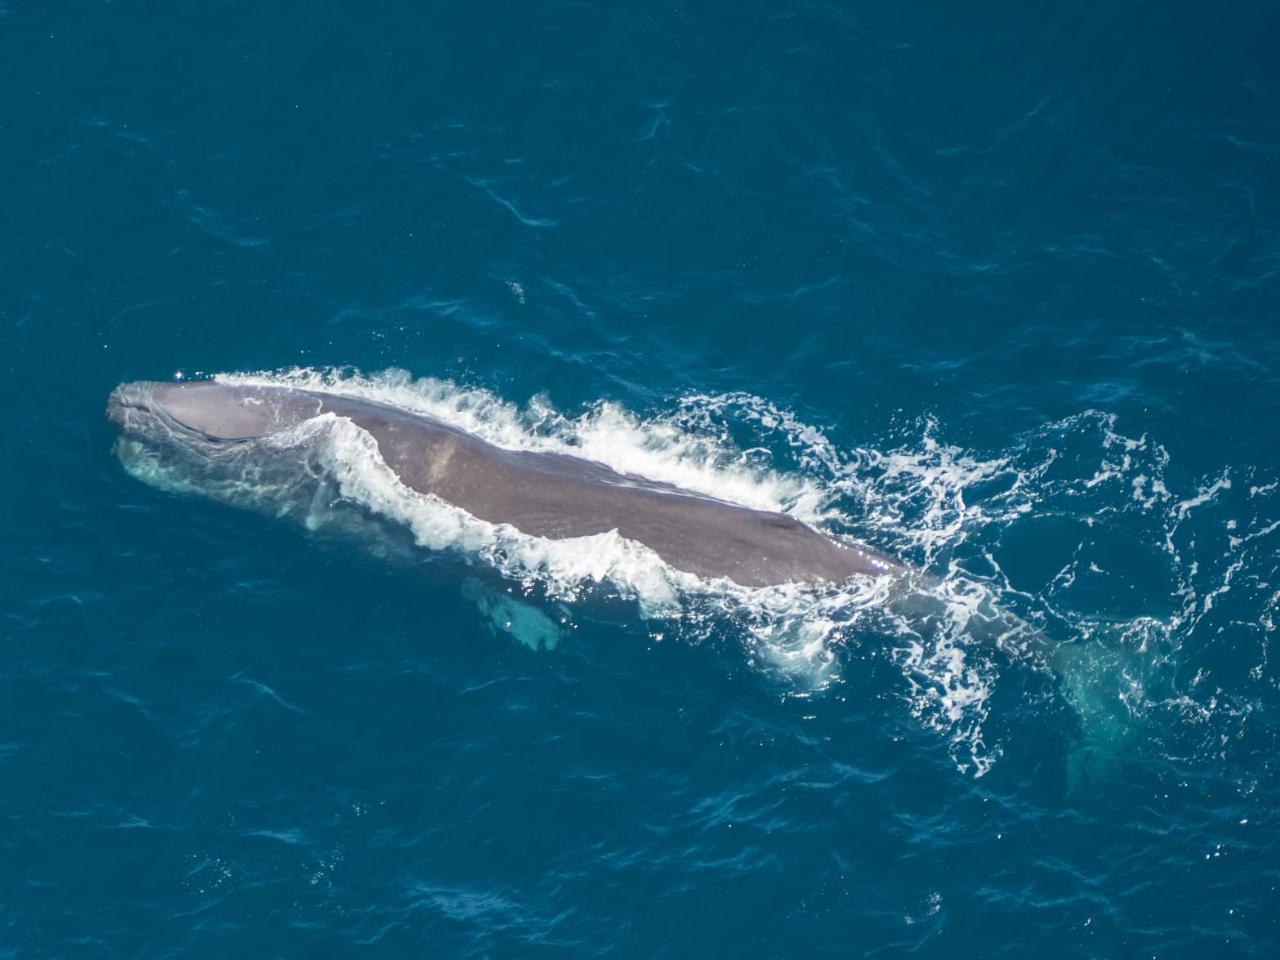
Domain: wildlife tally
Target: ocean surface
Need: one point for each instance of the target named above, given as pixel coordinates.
(993, 289)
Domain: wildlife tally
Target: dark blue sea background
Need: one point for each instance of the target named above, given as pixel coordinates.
(997, 283)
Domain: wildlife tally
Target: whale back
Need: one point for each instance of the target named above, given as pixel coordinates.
(558, 496)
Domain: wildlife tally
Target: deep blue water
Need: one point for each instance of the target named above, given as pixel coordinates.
(999, 284)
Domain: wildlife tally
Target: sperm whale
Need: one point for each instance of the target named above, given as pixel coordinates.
(541, 494)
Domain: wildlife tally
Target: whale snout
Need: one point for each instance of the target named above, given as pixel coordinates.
(129, 401)
(134, 406)
(208, 409)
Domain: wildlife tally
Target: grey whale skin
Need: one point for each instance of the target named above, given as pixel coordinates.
(549, 495)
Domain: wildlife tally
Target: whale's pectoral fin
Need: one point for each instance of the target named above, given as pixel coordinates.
(524, 622)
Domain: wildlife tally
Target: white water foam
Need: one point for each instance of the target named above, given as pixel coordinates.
(939, 507)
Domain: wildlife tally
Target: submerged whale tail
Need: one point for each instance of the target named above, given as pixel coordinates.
(1103, 678)
(1109, 680)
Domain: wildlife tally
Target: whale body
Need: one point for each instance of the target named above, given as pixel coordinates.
(541, 494)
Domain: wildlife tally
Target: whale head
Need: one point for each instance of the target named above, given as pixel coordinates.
(230, 442)
(206, 410)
